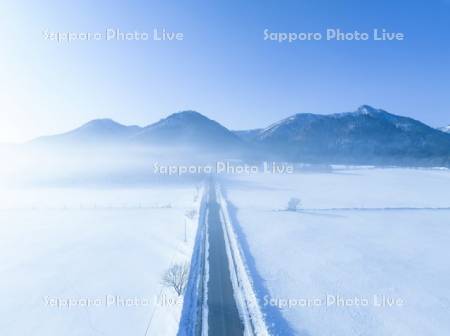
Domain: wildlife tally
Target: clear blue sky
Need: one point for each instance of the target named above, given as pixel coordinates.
(223, 68)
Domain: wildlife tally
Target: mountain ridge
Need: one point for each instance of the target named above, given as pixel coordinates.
(103, 129)
(367, 135)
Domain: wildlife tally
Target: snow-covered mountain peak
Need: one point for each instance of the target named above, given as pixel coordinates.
(366, 109)
(102, 123)
(183, 118)
(369, 110)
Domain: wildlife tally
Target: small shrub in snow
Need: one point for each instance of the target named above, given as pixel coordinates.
(293, 204)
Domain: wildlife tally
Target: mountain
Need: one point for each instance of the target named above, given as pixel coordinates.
(191, 129)
(98, 131)
(366, 136)
(187, 129)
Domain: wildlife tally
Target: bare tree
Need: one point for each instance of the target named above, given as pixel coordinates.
(176, 277)
(294, 204)
(191, 214)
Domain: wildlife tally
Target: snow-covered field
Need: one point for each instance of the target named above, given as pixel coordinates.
(366, 255)
(352, 271)
(97, 248)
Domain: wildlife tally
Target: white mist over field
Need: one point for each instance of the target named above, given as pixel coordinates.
(95, 165)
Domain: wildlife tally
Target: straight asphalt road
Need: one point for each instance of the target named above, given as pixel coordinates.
(223, 315)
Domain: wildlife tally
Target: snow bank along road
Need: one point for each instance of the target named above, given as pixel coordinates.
(219, 299)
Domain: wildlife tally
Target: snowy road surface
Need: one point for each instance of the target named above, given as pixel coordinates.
(223, 315)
